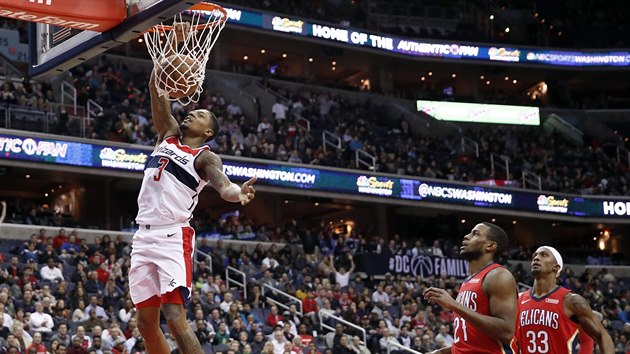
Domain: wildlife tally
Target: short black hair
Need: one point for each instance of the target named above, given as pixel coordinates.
(498, 235)
(214, 125)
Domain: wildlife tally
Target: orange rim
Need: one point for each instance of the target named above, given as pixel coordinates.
(202, 6)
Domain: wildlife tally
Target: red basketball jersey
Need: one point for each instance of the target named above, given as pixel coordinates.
(468, 339)
(587, 344)
(542, 325)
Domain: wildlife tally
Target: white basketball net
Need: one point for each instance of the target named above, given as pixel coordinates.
(206, 22)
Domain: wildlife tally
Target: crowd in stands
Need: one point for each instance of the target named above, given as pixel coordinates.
(591, 168)
(62, 294)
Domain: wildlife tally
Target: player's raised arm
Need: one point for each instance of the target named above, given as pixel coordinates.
(165, 123)
(211, 169)
(500, 287)
(577, 306)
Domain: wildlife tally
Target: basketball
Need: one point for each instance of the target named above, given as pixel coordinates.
(175, 75)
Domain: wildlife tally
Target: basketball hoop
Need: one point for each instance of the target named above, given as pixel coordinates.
(181, 64)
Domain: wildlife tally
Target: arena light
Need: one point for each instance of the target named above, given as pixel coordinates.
(262, 51)
(454, 75)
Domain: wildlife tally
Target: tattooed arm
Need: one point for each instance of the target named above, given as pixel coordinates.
(577, 308)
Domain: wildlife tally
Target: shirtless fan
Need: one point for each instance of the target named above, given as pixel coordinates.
(181, 51)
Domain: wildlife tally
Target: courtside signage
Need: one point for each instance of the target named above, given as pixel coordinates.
(424, 48)
(418, 191)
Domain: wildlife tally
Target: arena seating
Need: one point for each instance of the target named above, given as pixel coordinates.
(286, 269)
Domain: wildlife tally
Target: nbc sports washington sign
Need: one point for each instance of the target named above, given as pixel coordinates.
(423, 266)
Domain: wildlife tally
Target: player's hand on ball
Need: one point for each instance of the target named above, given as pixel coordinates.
(181, 30)
(440, 297)
(247, 191)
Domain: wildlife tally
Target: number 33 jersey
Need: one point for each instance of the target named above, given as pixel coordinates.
(467, 339)
(542, 326)
(171, 185)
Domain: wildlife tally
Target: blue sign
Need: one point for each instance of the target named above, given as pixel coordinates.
(118, 157)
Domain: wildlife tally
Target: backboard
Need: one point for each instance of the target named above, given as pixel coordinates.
(54, 49)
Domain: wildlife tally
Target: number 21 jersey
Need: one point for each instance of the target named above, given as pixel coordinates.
(467, 339)
(171, 185)
(543, 327)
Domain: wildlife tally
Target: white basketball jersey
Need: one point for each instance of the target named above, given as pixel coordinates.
(171, 185)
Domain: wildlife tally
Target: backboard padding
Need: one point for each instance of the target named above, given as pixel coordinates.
(47, 60)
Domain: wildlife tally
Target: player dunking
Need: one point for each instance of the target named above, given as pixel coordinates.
(550, 316)
(161, 260)
(485, 308)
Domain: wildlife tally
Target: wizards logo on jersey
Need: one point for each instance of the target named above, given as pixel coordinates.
(174, 169)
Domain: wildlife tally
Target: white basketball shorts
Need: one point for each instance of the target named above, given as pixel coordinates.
(161, 261)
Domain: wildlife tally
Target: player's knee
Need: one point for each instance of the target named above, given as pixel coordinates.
(172, 312)
(146, 325)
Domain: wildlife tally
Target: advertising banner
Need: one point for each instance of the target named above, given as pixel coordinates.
(419, 191)
(424, 47)
(420, 265)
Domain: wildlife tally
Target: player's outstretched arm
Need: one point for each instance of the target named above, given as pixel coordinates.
(500, 287)
(165, 123)
(211, 169)
(578, 306)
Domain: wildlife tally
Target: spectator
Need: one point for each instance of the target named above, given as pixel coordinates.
(84, 340)
(342, 277)
(226, 303)
(343, 347)
(201, 332)
(274, 317)
(357, 347)
(279, 112)
(99, 311)
(77, 346)
(92, 321)
(51, 272)
(445, 336)
(380, 298)
(37, 344)
(60, 239)
(22, 336)
(97, 345)
(127, 311)
(387, 337)
(62, 335)
(40, 321)
(278, 341)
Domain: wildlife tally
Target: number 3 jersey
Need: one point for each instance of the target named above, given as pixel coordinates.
(542, 326)
(171, 185)
(468, 339)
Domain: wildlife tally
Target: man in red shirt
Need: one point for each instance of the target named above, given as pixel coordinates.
(274, 317)
(60, 239)
(550, 316)
(37, 344)
(485, 308)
